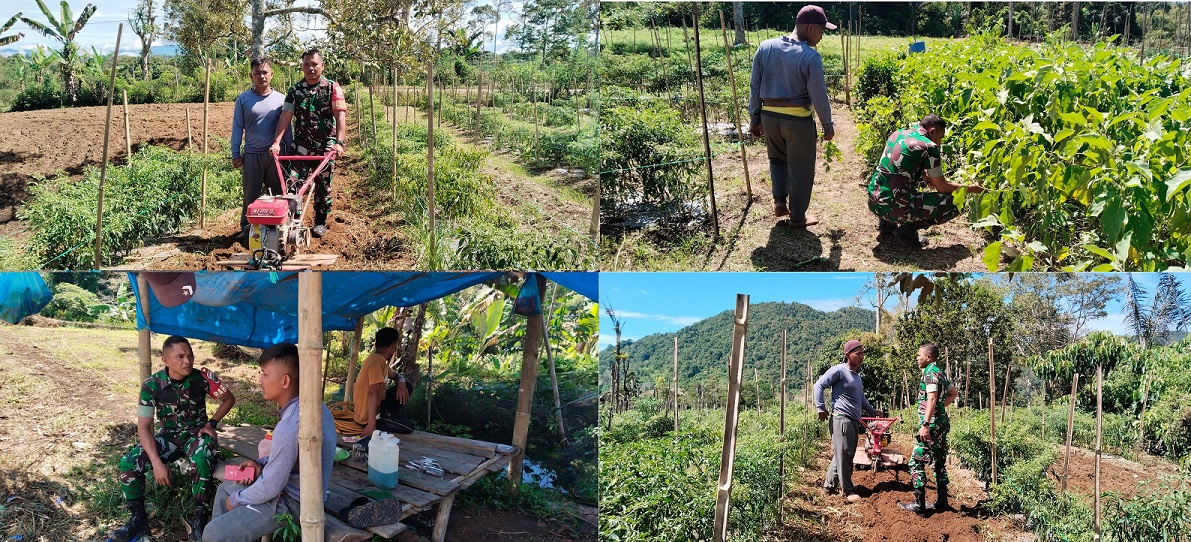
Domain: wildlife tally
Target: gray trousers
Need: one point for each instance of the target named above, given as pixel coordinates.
(245, 523)
(790, 142)
(258, 170)
(844, 432)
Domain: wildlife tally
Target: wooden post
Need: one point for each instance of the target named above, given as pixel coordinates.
(407, 106)
(715, 219)
(1141, 420)
(1005, 394)
(144, 344)
(744, 160)
(127, 132)
(1099, 423)
(429, 383)
(430, 167)
(310, 404)
(1044, 407)
(806, 402)
(847, 80)
(206, 140)
(1070, 430)
(394, 151)
(992, 410)
(731, 416)
(529, 381)
(372, 107)
(757, 384)
(562, 430)
(967, 380)
(675, 382)
(781, 465)
(353, 362)
(103, 164)
(189, 133)
(479, 97)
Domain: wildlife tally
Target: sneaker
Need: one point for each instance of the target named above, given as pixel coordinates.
(319, 231)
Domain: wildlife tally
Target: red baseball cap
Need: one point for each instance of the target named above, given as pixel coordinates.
(171, 289)
(851, 346)
(813, 15)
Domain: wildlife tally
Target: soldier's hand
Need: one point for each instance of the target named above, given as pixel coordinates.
(822, 415)
(924, 434)
(975, 189)
(210, 431)
(756, 130)
(161, 473)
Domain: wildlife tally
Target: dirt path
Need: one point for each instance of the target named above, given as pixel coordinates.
(846, 237)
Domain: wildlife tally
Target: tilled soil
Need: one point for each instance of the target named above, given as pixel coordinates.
(1117, 474)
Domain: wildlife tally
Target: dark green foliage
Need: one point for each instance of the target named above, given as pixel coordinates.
(71, 303)
(654, 136)
(878, 77)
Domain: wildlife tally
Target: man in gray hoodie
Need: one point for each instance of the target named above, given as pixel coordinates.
(254, 120)
(787, 79)
(246, 512)
(847, 405)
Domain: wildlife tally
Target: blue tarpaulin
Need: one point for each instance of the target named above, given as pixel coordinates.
(260, 309)
(22, 294)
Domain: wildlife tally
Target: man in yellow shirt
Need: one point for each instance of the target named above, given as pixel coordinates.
(370, 396)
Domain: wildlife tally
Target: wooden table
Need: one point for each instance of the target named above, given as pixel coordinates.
(463, 461)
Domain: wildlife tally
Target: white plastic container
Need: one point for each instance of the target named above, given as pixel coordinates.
(384, 451)
(265, 447)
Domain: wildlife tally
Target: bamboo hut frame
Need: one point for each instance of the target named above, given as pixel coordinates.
(310, 349)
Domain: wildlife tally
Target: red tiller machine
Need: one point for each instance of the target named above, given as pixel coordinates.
(276, 230)
(875, 455)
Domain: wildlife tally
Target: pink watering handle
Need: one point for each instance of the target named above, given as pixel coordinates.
(324, 160)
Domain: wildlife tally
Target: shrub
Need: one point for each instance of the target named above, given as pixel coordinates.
(647, 152)
(71, 303)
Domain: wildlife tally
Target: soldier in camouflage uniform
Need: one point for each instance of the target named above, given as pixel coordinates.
(319, 111)
(935, 393)
(910, 162)
(177, 396)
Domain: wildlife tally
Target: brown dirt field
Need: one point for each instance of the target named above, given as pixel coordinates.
(1117, 474)
(846, 236)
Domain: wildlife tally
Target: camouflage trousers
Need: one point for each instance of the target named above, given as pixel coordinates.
(322, 183)
(933, 452)
(171, 446)
(894, 199)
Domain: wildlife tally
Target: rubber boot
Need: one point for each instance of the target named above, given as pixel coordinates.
(919, 504)
(885, 226)
(942, 503)
(137, 526)
(198, 522)
(908, 233)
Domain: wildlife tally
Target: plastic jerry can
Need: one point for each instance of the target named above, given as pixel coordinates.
(383, 454)
(265, 447)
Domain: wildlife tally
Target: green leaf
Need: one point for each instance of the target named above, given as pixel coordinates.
(992, 256)
(986, 125)
(1073, 118)
(1178, 182)
(1100, 252)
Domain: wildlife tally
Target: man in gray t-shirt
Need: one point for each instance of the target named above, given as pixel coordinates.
(787, 79)
(847, 406)
(254, 121)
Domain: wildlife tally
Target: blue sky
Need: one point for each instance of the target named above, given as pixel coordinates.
(100, 31)
(663, 302)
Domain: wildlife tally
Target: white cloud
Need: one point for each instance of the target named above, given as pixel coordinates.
(829, 305)
(677, 321)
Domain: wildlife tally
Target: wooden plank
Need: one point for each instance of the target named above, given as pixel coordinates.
(409, 477)
(338, 531)
(469, 446)
(464, 462)
(358, 481)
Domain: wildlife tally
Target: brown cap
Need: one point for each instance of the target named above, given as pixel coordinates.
(851, 346)
(171, 289)
(813, 15)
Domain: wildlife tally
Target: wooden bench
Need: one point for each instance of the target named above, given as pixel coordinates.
(463, 461)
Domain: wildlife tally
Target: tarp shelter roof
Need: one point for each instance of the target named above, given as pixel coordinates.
(261, 309)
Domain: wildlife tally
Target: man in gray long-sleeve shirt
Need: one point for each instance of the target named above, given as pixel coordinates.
(246, 512)
(254, 121)
(787, 79)
(847, 406)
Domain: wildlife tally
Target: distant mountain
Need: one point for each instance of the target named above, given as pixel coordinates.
(704, 347)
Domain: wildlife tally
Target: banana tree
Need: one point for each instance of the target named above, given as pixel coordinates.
(5, 40)
(40, 60)
(63, 29)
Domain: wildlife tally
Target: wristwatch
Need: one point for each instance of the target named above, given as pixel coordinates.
(213, 423)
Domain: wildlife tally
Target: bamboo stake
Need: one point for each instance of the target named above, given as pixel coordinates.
(103, 165)
(144, 344)
(372, 114)
(732, 416)
(744, 160)
(992, 410)
(127, 132)
(429, 383)
(407, 106)
(189, 133)
(562, 430)
(676, 383)
(479, 95)
(781, 466)
(326, 367)
(1005, 394)
(310, 404)
(529, 379)
(430, 164)
(1070, 430)
(353, 363)
(394, 135)
(806, 402)
(757, 385)
(206, 141)
(967, 380)
(1099, 423)
(715, 219)
(1141, 420)
(843, 43)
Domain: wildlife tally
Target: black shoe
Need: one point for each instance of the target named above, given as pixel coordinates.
(919, 504)
(942, 503)
(908, 234)
(319, 231)
(197, 523)
(885, 226)
(137, 526)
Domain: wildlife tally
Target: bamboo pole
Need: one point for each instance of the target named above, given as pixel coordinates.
(676, 383)
(144, 344)
(1070, 430)
(1044, 408)
(529, 380)
(430, 162)
(189, 133)
(781, 466)
(206, 141)
(757, 385)
(715, 219)
(372, 108)
(103, 164)
(731, 417)
(806, 402)
(1141, 419)
(1099, 424)
(843, 43)
(967, 380)
(744, 160)
(394, 135)
(562, 430)
(353, 363)
(429, 383)
(310, 404)
(407, 106)
(1005, 394)
(127, 132)
(992, 410)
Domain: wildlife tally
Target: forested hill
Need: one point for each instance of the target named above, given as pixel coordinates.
(704, 347)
